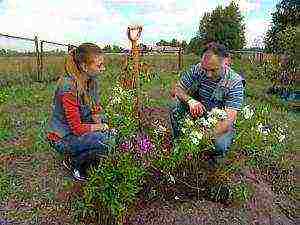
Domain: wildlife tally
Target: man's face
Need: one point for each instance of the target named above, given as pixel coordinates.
(211, 63)
(96, 66)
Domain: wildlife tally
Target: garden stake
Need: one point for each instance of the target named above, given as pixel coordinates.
(134, 33)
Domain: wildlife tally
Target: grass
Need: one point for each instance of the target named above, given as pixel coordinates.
(31, 173)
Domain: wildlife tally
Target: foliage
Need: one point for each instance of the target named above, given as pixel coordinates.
(262, 136)
(281, 37)
(196, 136)
(3, 96)
(121, 111)
(172, 43)
(5, 134)
(195, 46)
(224, 26)
(241, 192)
(116, 183)
(8, 184)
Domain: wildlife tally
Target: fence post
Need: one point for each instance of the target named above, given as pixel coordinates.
(180, 58)
(36, 42)
(41, 58)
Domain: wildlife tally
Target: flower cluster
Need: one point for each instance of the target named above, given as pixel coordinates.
(196, 130)
(247, 112)
(213, 117)
(144, 144)
(139, 144)
(119, 95)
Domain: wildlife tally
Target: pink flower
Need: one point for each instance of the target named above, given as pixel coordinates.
(144, 144)
(126, 146)
(189, 156)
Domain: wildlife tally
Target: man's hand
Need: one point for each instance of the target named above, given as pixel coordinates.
(196, 107)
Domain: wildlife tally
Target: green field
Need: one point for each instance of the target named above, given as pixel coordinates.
(35, 189)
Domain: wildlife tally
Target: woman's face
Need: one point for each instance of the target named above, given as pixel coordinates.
(96, 66)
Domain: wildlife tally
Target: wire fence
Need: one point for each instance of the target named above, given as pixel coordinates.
(38, 65)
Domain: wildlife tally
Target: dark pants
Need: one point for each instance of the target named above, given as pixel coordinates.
(85, 148)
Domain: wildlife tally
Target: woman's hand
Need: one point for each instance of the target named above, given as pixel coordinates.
(99, 127)
(96, 118)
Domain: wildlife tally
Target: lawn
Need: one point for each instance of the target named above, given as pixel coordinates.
(35, 189)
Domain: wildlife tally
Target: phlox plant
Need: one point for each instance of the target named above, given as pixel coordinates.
(261, 135)
(116, 183)
(196, 136)
(120, 111)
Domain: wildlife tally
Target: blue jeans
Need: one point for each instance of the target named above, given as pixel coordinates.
(85, 147)
(224, 142)
(179, 110)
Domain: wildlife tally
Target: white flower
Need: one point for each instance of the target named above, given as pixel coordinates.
(195, 141)
(196, 136)
(260, 127)
(247, 112)
(223, 115)
(172, 179)
(204, 122)
(265, 130)
(189, 122)
(219, 113)
(162, 128)
(212, 121)
(116, 100)
(281, 138)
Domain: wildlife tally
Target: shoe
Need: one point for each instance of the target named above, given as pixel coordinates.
(78, 176)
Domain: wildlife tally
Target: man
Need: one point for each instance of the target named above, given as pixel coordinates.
(207, 85)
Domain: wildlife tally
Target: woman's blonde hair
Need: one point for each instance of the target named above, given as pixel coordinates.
(85, 53)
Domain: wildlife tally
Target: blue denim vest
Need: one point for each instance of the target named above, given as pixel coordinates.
(58, 122)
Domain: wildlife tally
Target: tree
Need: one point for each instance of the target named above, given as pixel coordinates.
(116, 49)
(2, 52)
(222, 25)
(195, 46)
(107, 48)
(174, 43)
(162, 43)
(281, 37)
(184, 44)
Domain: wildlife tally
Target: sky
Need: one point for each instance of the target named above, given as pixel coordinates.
(105, 21)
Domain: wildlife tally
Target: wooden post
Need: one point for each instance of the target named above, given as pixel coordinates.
(180, 58)
(134, 34)
(41, 58)
(37, 54)
(136, 60)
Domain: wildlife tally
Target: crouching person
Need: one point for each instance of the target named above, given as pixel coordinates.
(206, 85)
(76, 126)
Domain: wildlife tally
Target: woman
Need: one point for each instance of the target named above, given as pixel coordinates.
(76, 126)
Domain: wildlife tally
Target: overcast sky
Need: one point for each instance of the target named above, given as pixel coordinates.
(105, 21)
